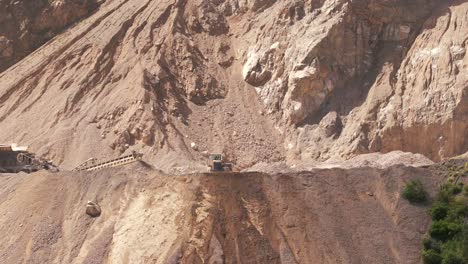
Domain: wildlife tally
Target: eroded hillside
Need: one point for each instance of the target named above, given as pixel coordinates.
(273, 85)
(26, 25)
(323, 216)
(256, 80)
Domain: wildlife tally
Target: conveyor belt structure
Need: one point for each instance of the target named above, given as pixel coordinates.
(94, 165)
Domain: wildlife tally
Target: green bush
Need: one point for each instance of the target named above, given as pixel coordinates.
(414, 192)
(439, 211)
(443, 230)
(452, 258)
(458, 211)
(445, 193)
(431, 257)
(447, 240)
(452, 251)
(464, 243)
(429, 243)
(457, 189)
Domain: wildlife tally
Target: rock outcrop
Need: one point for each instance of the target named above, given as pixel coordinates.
(93, 209)
(26, 25)
(390, 69)
(257, 80)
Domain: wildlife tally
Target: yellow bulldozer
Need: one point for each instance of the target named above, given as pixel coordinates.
(217, 163)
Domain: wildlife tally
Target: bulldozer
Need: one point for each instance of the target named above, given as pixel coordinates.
(14, 159)
(217, 163)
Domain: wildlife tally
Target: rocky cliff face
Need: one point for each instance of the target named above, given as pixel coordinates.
(364, 76)
(26, 25)
(258, 80)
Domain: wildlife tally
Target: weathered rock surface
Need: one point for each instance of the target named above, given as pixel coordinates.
(26, 25)
(257, 80)
(325, 216)
(390, 69)
(93, 209)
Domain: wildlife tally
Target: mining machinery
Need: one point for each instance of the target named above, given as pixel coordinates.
(94, 164)
(217, 163)
(14, 159)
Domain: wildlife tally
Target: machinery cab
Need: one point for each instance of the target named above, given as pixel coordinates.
(217, 163)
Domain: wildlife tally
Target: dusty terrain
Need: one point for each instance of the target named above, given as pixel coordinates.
(26, 25)
(299, 95)
(322, 216)
(261, 81)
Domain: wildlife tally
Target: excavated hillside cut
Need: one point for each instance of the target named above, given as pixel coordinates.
(308, 88)
(324, 216)
(259, 81)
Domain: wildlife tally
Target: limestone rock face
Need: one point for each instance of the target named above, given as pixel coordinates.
(235, 6)
(390, 69)
(323, 47)
(257, 80)
(331, 124)
(26, 25)
(421, 104)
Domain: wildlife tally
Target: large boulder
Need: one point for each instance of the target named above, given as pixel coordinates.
(93, 209)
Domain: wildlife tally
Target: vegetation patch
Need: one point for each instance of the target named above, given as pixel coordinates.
(414, 192)
(447, 238)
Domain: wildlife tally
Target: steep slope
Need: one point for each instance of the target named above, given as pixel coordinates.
(130, 75)
(26, 25)
(256, 80)
(427, 105)
(324, 216)
(364, 76)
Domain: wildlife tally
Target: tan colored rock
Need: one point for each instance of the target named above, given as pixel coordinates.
(26, 25)
(390, 70)
(194, 146)
(331, 124)
(147, 137)
(93, 209)
(6, 47)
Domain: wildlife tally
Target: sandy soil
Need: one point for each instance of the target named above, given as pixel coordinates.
(323, 216)
(275, 87)
(177, 80)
